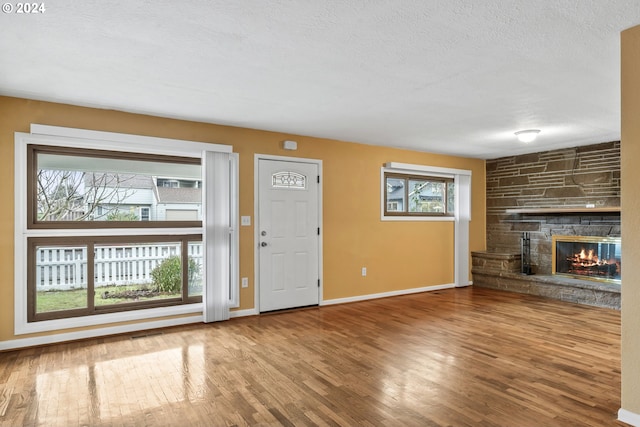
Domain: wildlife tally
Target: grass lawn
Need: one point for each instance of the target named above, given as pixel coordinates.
(77, 298)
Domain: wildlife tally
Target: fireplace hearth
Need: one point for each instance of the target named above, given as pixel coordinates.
(587, 257)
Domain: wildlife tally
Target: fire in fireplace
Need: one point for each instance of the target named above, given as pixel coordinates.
(597, 258)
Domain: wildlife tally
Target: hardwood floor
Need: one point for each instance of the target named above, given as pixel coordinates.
(460, 357)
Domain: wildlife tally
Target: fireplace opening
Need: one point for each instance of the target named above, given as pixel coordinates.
(589, 257)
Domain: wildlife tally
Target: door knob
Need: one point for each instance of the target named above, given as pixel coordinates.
(263, 244)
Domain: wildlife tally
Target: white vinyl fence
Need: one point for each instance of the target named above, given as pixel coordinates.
(64, 268)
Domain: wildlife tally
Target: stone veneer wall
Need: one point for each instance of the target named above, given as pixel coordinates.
(571, 177)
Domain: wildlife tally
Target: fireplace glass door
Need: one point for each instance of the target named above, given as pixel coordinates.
(597, 258)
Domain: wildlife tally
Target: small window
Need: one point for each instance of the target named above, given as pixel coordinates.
(292, 180)
(416, 195)
(144, 214)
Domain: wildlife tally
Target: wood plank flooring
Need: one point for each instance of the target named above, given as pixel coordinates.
(459, 357)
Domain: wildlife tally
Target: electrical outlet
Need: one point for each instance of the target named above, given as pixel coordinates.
(364, 271)
(245, 282)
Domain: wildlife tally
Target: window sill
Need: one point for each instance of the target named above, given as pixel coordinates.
(105, 319)
(418, 218)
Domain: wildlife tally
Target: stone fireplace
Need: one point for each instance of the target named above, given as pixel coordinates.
(567, 192)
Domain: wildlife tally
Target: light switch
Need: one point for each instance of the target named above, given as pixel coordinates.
(245, 220)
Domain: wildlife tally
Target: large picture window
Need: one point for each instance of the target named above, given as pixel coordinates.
(83, 275)
(113, 228)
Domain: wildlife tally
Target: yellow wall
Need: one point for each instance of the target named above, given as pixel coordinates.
(398, 255)
(630, 152)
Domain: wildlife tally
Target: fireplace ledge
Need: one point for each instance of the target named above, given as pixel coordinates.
(501, 271)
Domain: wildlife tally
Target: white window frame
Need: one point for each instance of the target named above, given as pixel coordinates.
(87, 139)
(428, 172)
(462, 213)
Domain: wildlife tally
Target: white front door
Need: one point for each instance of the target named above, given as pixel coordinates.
(288, 234)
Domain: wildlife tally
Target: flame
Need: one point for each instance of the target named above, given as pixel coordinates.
(588, 256)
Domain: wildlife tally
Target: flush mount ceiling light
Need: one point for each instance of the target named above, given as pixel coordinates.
(528, 135)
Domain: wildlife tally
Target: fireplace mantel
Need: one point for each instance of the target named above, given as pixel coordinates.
(564, 210)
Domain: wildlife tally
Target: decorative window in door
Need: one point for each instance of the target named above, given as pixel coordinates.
(288, 179)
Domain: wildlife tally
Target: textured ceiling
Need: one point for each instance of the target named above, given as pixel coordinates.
(444, 76)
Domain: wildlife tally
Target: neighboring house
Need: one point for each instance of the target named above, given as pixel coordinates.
(142, 197)
(178, 199)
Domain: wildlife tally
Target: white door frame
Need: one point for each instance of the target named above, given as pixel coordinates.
(256, 222)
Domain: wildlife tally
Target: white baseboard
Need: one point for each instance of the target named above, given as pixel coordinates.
(387, 294)
(99, 332)
(629, 417)
(243, 313)
(464, 286)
